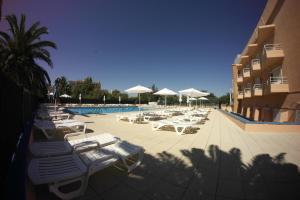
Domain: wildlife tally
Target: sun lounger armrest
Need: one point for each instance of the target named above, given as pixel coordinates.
(66, 137)
(86, 145)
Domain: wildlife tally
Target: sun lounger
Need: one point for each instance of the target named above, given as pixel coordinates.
(135, 119)
(179, 126)
(130, 118)
(54, 148)
(188, 118)
(59, 171)
(45, 125)
(53, 116)
(151, 116)
(56, 121)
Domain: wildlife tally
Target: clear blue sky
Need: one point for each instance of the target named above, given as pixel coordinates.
(122, 43)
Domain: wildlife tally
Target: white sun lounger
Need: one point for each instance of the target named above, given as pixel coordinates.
(135, 119)
(130, 118)
(188, 118)
(54, 148)
(179, 126)
(153, 116)
(62, 170)
(58, 115)
(61, 121)
(45, 125)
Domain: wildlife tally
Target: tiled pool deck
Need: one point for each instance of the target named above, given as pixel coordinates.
(220, 161)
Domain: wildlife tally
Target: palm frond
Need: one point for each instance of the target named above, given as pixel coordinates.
(5, 36)
(22, 24)
(43, 57)
(36, 34)
(43, 72)
(42, 44)
(13, 23)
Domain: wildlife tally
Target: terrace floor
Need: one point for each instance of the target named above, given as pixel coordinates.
(220, 161)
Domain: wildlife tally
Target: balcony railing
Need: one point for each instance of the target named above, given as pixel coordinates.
(246, 72)
(272, 55)
(257, 86)
(257, 89)
(278, 80)
(240, 94)
(272, 47)
(277, 85)
(247, 92)
(255, 61)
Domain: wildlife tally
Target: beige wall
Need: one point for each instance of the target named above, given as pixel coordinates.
(286, 17)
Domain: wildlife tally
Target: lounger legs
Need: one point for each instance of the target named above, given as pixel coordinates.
(54, 188)
(155, 127)
(182, 130)
(134, 165)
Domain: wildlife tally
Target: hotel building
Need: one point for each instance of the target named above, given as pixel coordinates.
(266, 74)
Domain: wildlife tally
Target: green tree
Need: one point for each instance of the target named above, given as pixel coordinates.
(212, 99)
(20, 49)
(87, 88)
(225, 99)
(62, 86)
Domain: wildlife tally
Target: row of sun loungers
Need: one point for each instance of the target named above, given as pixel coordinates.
(179, 119)
(75, 159)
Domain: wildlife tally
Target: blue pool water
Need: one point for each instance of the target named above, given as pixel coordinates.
(101, 110)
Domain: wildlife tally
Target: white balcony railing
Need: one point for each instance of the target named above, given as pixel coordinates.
(257, 86)
(245, 70)
(240, 93)
(255, 61)
(247, 90)
(278, 80)
(272, 47)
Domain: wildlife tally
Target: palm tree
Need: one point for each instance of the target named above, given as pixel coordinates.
(20, 49)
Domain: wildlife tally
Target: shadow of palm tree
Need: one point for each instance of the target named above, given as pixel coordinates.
(198, 174)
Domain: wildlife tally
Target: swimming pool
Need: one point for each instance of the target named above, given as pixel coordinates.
(101, 110)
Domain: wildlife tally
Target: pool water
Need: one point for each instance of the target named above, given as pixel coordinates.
(101, 110)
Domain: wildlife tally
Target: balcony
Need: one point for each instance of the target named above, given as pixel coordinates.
(277, 85)
(273, 51)
(240, 94)
(246, 72)
(273, 54)
(252, 49)
(255, 64)
(239, 79)
(244, 59)
(238, 66)
(265, 32)
(247, 92)
(257, 90)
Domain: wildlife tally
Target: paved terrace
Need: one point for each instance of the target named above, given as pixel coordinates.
(220, 161)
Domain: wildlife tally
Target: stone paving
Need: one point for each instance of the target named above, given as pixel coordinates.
(220, 161)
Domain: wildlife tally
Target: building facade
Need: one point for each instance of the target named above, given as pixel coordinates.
(266, 74)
